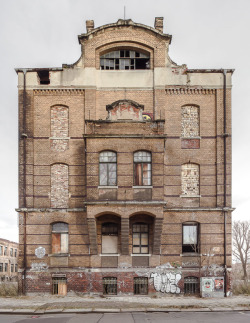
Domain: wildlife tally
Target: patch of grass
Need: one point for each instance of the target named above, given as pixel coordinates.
(8, 290)
(241, 288)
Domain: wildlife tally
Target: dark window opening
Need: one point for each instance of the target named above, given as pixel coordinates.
(5, 251)
(1, 267)
(59, 286)
(142, 168)
(191, 285)
(12, 268)
(190, 237)
(5, 267)
(16, 268)
(109, 286)
(44, 77)
(125, 60)
(140, 238)
(140, 285)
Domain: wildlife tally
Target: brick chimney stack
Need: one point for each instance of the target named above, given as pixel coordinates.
(90, 25)
(159, 23)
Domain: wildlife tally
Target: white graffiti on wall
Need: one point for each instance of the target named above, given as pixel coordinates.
(167, 282)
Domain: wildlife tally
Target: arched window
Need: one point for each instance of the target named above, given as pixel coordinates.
(190, 180)
(60, 239)
(140, 238)
(109, 237)
(190, 121)
(124, 60)
(107, 168)
(59, 186)
(142, 168)
(190, 237)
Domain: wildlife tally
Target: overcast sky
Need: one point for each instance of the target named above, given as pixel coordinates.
(43, 33)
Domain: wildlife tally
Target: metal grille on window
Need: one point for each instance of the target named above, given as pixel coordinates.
(140, 238)
(109, 286)
(142, 168)
(59, 286)
(124, 60)
(107, 168)
(140, 285)
(191, 285)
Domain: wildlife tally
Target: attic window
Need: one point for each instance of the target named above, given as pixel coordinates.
(43, 77)
(124, 60)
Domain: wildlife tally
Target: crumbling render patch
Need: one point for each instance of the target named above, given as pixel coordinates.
(190, 121)
(190, 180)
(59, 128)
(59, 186)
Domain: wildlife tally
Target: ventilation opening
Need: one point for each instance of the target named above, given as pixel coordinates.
(140, 285)
(191, 285)
(43, 76)
(109, 286)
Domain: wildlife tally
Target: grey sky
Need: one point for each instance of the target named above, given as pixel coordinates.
(43, 33)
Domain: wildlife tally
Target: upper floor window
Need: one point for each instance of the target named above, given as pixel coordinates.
(140, 238)
(190, 237)
(142, 168)
(5, 251)
(190, 127)
(190, 180)
(15, 252)
(60, 237)
(107, 168)
(1, 250)
(11, 252)
(124, 60)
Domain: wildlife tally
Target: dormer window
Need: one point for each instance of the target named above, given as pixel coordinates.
(124, 60)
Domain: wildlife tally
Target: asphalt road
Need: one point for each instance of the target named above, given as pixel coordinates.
(218, 317)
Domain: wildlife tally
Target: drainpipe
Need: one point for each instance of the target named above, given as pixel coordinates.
(225, 178)
(24, 137)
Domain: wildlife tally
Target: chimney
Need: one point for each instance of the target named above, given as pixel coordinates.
(159, 23)
(90, 25)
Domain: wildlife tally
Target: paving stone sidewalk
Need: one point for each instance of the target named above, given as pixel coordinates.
(87, 304)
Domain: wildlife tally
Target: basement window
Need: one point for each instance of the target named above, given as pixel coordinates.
(140, 285)
(125, 60)
(43, 76)
(59, 286)
(190, 285)
(109, 285)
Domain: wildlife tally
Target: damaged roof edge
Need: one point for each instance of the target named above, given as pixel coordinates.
(221, 70)
(36, 69)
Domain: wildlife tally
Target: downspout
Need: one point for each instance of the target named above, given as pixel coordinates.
(24, 137)
(225, 178)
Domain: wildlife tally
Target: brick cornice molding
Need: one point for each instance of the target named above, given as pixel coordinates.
(188, 90)
(58, 91)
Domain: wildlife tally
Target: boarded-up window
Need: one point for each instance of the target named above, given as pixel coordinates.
(142, 168)
(59, 186)
(107, 168)
(190, 178)
(190, 127)
(59, 128)
(140, 238)
(109, 238)
(59, 286)
(60, 238)
(190, 237)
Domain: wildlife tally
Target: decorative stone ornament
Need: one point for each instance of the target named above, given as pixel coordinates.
(40, 252)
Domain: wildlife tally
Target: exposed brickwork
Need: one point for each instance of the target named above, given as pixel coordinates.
(190, 122)
(59, 128)
(190, 177)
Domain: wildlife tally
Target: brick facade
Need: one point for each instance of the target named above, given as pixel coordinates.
(165, 126)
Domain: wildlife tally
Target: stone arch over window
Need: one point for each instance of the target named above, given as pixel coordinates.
(107, 168)
(59, 127)
(59, 185)
(60, 240)
(125, 58)
(190, 180)
(190, 121)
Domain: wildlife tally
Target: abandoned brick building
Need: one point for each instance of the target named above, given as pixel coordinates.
(124, 169)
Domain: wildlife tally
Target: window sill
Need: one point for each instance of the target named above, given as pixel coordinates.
(140, 254)
(145, 186)
(108, 187)
(109, 254)
(190, 196)
(59, 255)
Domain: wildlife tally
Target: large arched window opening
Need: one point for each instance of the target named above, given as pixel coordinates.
(125, 59)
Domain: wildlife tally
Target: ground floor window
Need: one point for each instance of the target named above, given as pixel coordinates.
(109, 286)
(191, 285)
(140, 285)
(59, 285)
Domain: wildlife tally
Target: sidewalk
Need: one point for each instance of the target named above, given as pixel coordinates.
(88, 304)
